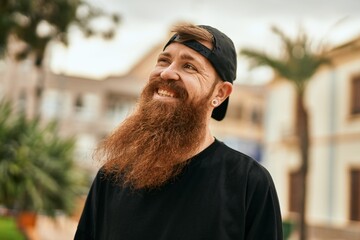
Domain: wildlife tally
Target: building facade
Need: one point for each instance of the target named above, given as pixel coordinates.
(333, 103)
(90, 109)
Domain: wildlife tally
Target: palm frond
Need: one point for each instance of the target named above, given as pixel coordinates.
(37, 168)
(298, 62)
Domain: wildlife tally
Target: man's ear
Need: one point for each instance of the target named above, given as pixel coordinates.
(224, 89)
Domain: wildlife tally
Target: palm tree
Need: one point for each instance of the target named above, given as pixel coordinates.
(298, 64)
(38, 22)
(37, 171)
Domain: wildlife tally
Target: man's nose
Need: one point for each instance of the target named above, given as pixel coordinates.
(170, 73)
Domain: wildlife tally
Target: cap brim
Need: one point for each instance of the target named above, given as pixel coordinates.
(220, 111)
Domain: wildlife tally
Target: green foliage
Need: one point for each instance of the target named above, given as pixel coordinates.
(37, 170)
(288, 228)
(9, 230)
(36, 22)
(298, 62)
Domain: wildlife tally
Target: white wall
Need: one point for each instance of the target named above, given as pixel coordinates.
(335, 142)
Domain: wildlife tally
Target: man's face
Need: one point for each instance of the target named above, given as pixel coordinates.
(153, 144)
(188, 69)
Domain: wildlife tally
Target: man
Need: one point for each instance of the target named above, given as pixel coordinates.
(164, 175)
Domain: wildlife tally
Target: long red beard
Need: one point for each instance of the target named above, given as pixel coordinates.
(153, 144)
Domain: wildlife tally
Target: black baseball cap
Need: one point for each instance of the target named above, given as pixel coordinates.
(222, 57)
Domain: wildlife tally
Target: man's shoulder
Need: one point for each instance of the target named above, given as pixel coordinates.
(104, 179)
(242, 162)
(231, 155)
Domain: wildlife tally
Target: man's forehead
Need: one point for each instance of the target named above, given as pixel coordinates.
(183, 51)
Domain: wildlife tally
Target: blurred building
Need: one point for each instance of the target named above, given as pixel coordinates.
(333, 103)
(260, 122)
(243, 126)
(90, 109)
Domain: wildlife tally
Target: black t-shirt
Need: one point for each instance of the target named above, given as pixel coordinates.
(221, 194)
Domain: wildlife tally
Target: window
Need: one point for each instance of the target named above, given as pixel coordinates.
(118, 106)
(79, 104)
(355, 95)
(354, 195)
(87, 106)
(256, 116)
(50, 106)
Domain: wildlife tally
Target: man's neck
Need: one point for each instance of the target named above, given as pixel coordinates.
(207, 141)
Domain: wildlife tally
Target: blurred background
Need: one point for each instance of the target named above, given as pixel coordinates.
(72, 70)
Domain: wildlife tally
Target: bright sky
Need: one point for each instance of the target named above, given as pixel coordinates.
(146, 23)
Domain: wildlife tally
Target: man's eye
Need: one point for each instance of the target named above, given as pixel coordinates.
(190, 66)
(163, 61)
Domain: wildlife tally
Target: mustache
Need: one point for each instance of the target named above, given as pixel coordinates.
(172, 85)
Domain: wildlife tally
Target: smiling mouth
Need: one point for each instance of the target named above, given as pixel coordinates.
(165, 93)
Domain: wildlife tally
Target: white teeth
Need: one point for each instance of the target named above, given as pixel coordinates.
(165, 93)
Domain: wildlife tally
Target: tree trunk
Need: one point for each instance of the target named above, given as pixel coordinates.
(39, 88)
(303, 136)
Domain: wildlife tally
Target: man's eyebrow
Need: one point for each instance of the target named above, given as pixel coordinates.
(164, 54)
(183, 56)
(187, 57)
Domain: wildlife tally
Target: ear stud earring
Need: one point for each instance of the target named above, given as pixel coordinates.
(215, 102)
